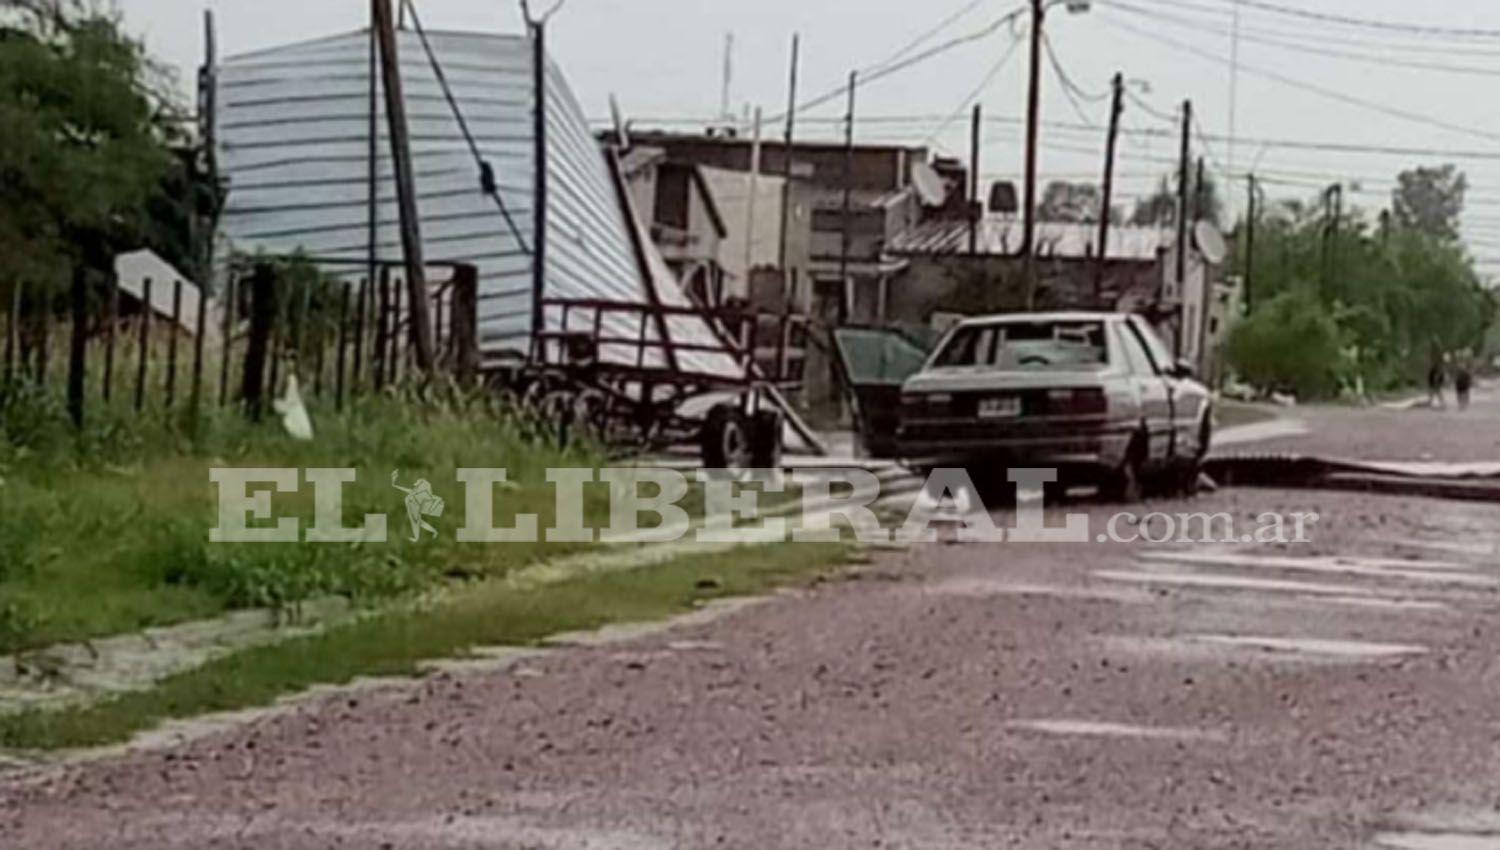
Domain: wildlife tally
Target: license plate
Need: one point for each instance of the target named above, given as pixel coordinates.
(1004, 407)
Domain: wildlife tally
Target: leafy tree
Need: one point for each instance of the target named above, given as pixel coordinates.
(1430, 200)
(1070, 202)
(1160, 207)
(85, 149)
(1392, 295)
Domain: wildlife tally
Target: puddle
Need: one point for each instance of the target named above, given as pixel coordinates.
(1223, 582)
(985, 588)
(1098, 729)
(1312, 646)
(1436, 573)
(1437, 841)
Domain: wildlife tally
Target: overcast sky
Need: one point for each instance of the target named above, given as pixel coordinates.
(663, 59)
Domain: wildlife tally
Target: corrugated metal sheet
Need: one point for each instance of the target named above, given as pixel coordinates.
(1002, 235)
(294, 144)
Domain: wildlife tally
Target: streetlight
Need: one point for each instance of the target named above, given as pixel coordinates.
(1033, 107)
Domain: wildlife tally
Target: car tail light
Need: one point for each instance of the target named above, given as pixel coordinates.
(1077, 402)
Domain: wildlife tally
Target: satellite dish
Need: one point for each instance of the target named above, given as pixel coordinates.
(1210, 242)
(931, 187)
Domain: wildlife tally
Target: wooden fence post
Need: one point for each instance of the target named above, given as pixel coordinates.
(199, 331)
(173, 332)
(78, 346)
(463, 319)
(227, 341)
(262, 320)
(343, 338)
(111, 319)
(45, 340)
(144, 345)
(361, 309)
(382, 331)
(13, 332)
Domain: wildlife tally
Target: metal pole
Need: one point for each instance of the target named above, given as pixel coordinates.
(411, 226)
(1183, 186)
(539, 215)
(754, 182)
(843, 311)
(78, 345)
(372, 224)
(976, 211)
(786, 154)
(1117, 107)
(1250, 245)
(231, 301)
(1033, 118)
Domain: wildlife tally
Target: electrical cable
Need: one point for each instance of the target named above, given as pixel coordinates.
(974, 95)
(486, 171)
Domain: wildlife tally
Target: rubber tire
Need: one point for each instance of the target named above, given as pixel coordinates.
(725, 440)
(765, 439)
(1126, 485)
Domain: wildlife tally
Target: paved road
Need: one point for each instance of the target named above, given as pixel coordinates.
(1385, 433)
(951, 696)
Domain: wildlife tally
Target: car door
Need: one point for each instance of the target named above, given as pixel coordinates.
(1153, 391)
(1187, 399)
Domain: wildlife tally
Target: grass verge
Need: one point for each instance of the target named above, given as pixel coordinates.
(394, 643)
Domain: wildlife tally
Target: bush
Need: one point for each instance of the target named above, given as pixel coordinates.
(1290, 345)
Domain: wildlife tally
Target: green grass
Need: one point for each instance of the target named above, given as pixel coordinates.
(395, 642)
(107, 532)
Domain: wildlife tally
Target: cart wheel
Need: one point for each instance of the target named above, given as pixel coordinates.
(765, 439)
(726, 438)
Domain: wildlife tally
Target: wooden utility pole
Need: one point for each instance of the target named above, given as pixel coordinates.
(1198, 193)
(976, 211)
(844, 298)
(1033, 117)
(1250, 216)
(411, 228)
(1183, 186)
(1117, 107)
(754, 188)
(539, 184)
(786, 161)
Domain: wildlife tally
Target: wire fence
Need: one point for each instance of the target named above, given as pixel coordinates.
(158, 346)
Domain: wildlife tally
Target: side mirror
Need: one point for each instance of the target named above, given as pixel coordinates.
(1182, 369)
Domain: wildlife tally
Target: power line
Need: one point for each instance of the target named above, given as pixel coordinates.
(870, 75)
(1369, 23)
(1368, 58)
(1323, 91)
(924, 37)
(974, 95)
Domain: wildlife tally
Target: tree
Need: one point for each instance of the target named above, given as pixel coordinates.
(85, 149)
(1430, 200)
(1160, 207)
(1070, 202)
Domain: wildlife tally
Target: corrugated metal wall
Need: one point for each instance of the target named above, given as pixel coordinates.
(294, 144)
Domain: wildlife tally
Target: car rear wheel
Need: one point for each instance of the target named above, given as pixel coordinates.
(1124, 484)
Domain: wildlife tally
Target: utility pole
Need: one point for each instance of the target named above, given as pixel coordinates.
(1117, 107)
(411, 228)
(1198, 193)
(755, 157)
(1250, 221)
(539, 184)
(844, 298)
(786, 158)
(1182, 223)
(1333, 211)
(1033, 110)
(976, 211)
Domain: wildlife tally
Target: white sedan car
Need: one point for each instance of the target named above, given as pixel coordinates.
(1095, 395)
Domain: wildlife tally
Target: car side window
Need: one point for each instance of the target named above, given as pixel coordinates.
(1134, 352)
(1156, 350)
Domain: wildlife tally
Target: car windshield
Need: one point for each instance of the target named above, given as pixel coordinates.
(1026, 346)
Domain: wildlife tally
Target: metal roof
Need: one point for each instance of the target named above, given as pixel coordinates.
(1002, 236)
(294, 144)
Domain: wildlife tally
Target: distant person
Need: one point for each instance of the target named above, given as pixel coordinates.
(1437, 376)
(1463, 384)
